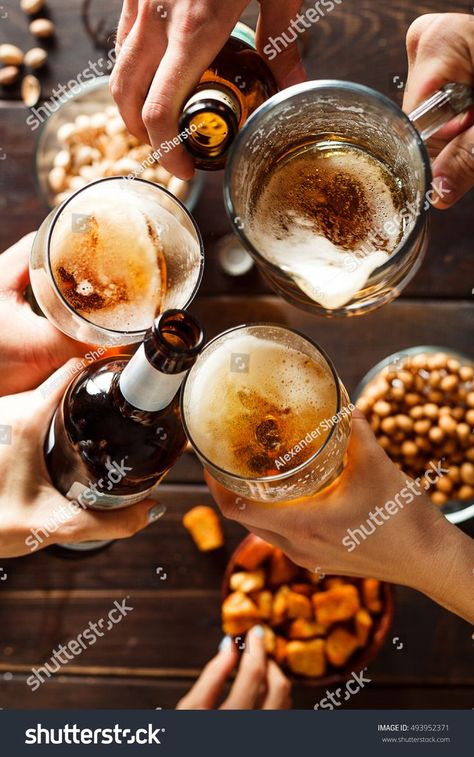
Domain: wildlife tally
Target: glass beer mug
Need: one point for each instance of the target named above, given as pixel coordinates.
(328, 186)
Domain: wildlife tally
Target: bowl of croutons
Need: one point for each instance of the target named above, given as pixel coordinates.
(420, 405)
(318, 628)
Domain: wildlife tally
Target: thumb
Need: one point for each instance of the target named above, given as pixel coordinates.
(453, 170)
(277, 41)
(103, 525)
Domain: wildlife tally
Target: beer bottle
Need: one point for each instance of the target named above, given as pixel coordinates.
(118, 429)
(234, 85)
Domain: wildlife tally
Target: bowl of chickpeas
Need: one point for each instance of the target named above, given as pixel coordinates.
(420, 404)
(85, 139)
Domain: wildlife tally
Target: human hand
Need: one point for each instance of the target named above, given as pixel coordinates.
(440, 49)
(407, 539)
(31, 347)
(163, 50)
(33, 514)
(259, 683)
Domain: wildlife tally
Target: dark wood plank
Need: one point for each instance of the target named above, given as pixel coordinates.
(354, 344)
(91, 692)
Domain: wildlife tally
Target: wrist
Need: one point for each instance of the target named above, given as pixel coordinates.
(444, 568)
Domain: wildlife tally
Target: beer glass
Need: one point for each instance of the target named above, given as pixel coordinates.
(342, 120)
(113, 256)
(266, 413)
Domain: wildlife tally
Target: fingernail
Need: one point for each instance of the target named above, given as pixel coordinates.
(444, 191)
(225, 643)
(258, 631)
(155, 513)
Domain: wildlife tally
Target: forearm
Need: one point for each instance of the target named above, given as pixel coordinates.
(447, 569)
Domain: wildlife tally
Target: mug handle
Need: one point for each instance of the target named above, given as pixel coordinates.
(437, 110)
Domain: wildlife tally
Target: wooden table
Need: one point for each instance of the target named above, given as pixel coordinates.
(152, 657)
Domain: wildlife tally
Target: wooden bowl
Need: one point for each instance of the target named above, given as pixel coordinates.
(361, 658)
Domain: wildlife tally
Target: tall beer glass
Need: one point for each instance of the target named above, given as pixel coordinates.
(266, 413)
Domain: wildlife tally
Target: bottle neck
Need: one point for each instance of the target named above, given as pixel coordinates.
(146, 388)
(151, 379)
(211, 119)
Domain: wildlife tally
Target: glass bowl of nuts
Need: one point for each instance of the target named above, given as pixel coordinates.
(86, 139)
(420, 405)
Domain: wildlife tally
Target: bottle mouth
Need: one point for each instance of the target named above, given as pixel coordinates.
(180, 334)
(211, 127)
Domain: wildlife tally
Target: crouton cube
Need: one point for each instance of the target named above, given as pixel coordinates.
(281, 569)
(330, 583)
(339, 603)
(305, 629)
(363, 624)
(280, 649)
(306, 658)
(340, 645)
(239, 613)
(264, 602)
(254, 553)
(269, 640)
(280, 605)
(247, 581)
(205, 528)
(371, 594)
(299, 606)
(305, 589)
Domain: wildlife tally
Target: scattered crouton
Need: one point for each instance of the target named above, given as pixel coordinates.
(205, 528)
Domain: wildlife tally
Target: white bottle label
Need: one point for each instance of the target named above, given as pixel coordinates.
(93, 499)
(146, 388)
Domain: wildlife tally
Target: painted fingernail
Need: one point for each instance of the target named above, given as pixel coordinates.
(155, 513)
(225, 643)
(258, 631)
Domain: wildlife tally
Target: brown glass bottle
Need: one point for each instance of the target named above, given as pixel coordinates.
(118, 429)
(236, 83)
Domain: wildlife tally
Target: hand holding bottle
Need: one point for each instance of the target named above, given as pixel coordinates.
(33, 514)
(404, 538)
(440, 49)
(163, 50)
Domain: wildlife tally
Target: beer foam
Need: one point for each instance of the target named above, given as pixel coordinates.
(328, 218)
(252, 401)
(108, 254)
